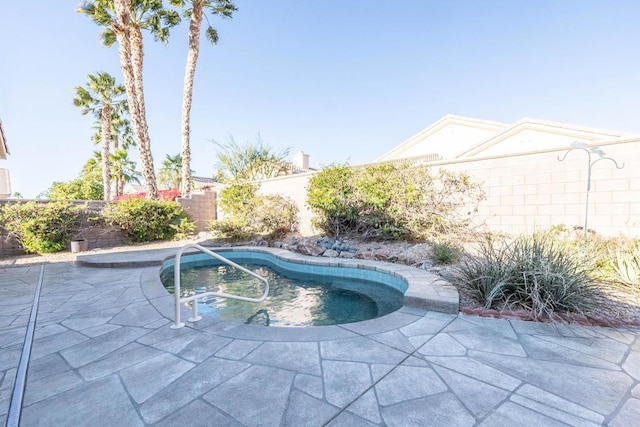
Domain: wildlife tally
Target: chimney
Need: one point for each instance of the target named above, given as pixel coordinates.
(301, 161)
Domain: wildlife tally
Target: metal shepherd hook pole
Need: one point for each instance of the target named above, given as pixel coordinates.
(589, 150)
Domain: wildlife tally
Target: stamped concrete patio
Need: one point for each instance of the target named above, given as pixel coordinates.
(104, 354)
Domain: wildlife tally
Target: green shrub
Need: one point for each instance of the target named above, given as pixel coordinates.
(231, 228)
(537, 273)
(392, 201)
(330, 195)
(42, 227)
(444, 253)
(236, 199)
(248, 214)
(144, 220)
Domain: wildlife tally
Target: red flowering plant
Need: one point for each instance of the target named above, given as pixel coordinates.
(166, 195)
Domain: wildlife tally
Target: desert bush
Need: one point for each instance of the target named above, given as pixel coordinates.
(273, 216)
(248, 214)
(445, 252)
(536, 273)
(144, 220)
(614, 260)
(231, 228)
(392, 201)
(42, 227)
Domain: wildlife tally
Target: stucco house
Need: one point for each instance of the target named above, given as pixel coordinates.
(5, 184)
(456, 137)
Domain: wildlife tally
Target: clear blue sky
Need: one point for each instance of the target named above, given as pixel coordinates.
(343, 80)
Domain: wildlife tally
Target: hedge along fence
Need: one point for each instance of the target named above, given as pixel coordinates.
(50, 226)
(97, 234)
(392, 201)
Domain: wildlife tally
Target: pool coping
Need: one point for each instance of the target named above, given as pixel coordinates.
(425, 291)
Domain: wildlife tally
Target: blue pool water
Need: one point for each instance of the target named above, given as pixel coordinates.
(300, 295)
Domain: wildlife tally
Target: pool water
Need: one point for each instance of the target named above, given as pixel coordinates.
(294, 300)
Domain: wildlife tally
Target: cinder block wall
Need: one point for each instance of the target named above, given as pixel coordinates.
(536, 190)
(533, 190)
(202, 207)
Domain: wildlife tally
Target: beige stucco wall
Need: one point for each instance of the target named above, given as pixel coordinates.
(294, 187)
(534, 190)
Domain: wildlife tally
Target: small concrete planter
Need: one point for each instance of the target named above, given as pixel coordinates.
(79, 245)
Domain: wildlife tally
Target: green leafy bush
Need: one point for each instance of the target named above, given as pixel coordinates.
(77, 189)
(249, 214)
(392, 201)
(536, 273)
(144, 220)
(42, 227)
(236, 199)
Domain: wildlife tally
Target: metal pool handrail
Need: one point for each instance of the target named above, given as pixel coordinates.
(194, 310)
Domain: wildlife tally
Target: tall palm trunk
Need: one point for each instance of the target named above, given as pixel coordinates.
(144, 142)
(187, 95)
(130, 50)
(118, 176)
(106, 138)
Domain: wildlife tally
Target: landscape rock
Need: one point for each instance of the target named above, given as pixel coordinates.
(416, 253)
(347, 254)
(330, 253)
(309, 247)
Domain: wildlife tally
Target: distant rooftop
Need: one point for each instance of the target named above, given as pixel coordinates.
(4, 148)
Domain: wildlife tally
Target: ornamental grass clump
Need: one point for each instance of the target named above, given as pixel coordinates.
(535, 273)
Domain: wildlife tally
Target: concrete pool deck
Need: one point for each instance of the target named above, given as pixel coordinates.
(104, 354)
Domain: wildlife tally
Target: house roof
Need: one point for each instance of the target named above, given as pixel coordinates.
(449, 119)
(204, 179)
(4, 148)
(574, 131)
(482, 135)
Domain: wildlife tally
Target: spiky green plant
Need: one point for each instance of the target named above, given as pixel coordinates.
(626, 267)
(536, 273)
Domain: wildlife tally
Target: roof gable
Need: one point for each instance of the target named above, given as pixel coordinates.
(533, 134)
(448, 136)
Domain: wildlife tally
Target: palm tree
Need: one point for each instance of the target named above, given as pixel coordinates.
(99, 97)
(170, 175)
(121, 141)
(123, 170)
(195, 13)
(123, 22)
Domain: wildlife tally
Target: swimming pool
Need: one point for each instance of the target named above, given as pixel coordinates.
(301, 294)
